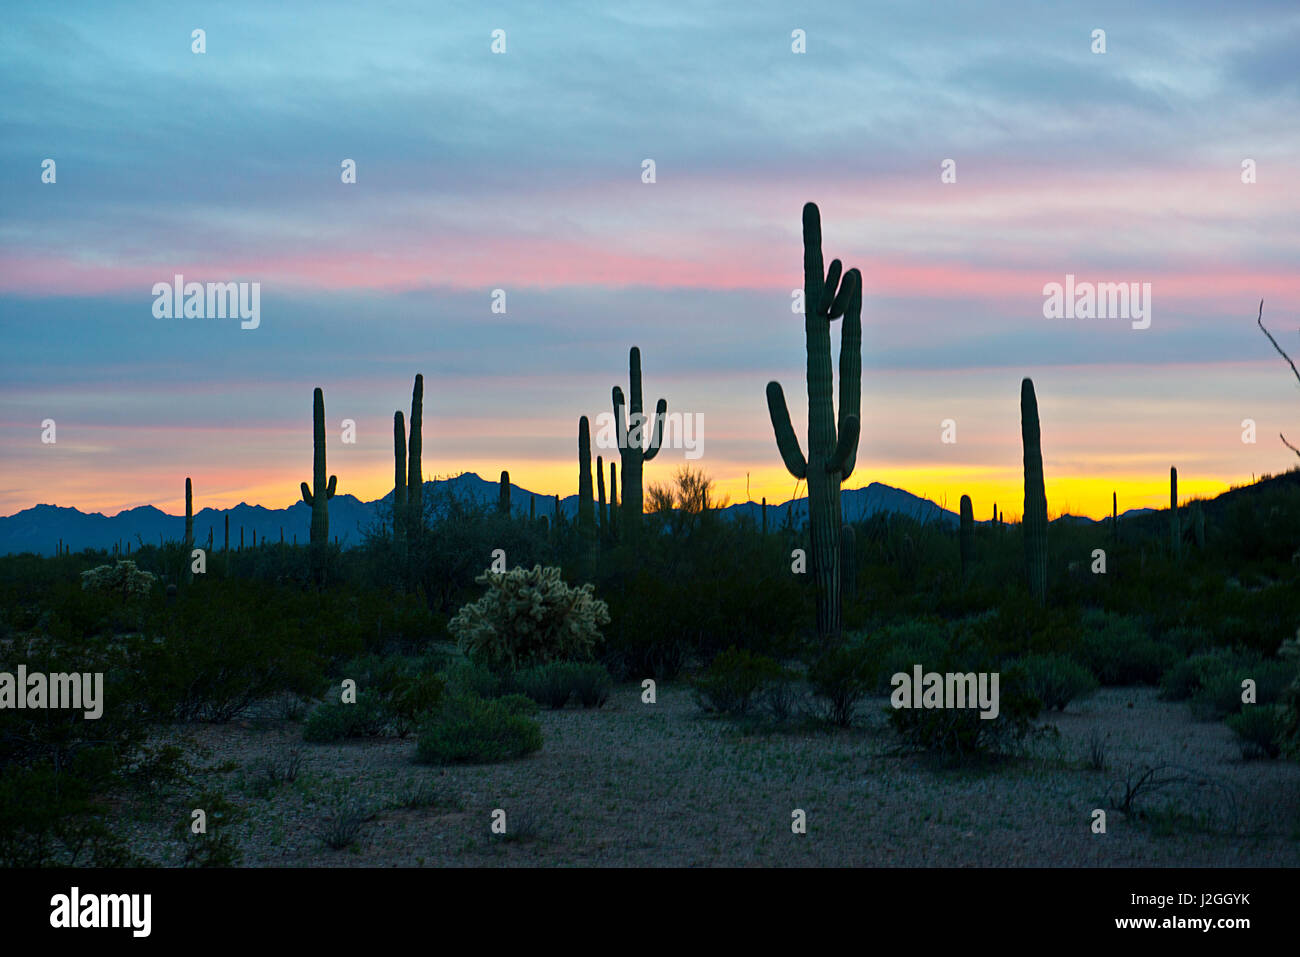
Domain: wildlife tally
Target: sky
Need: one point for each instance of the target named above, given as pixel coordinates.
(523, 171)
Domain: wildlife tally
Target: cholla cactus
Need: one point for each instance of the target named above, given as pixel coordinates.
(122, 578)
(529, 617)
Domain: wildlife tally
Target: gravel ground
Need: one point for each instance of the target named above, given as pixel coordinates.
(653, 785)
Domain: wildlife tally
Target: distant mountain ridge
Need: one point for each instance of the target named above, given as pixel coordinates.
(40, 528)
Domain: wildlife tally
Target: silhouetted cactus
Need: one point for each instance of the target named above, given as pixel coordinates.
(764, 513)
(1034, 523)
(189, 529)
(414, 477)
(966, 536)
(602, 517)
(586, 504)
(399, 483)
(630, 431)
(1175, 528)
(1114, 517)
(832, 447)
(503, 494)
(226, 547)
(320, 492)
(614, 525)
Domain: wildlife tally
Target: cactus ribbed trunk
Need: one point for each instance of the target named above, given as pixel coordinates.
(1034, 524)
(631, 429)
(613, 502)
(586, 504)
(414, 477)
(602, 518)
(832, 442)
(966, 536)
(1175, 529)
(399, 483)
(503, 494)
(321, 490)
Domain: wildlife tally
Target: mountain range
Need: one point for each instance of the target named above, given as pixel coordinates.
(40, 529)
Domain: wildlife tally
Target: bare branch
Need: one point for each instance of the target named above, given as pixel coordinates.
(1260, 320)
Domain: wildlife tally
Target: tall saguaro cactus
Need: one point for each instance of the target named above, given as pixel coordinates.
(414, 478)
(503, 494)
(320, 492)
(399, 481)
(632, 448)
(189, 530)
(602, 517)
(1175, 527)
(832, 444)
(1114, 517)
(967, 536)
(586, 505)
(1034, 524)
(613, 501)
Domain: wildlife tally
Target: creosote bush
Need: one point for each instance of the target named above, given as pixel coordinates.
(473, 731)
(1056, 680)
(841, 677)
(529, 617)
(733, 679)
(554, 684)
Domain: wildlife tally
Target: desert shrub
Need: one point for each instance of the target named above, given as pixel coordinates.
(554, 684)
(548, 685)
(1119, 652)
(474, 731)
(732, 680)
(960, 734)
(515, 703)
(1260, 729)
(121, 578)
(1221, 693)
(841, 677)
(476, 680)
(529, 617)
(414, 696)
(217, 847)
(336, 721)
(899, 647)
(1187, 639)
(340, 825)
(1289, 714)
(1189, 676)
(1056, 680)
(779, 698)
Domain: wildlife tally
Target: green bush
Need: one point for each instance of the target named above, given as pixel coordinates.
(1187, 677)
(841, 677)
(898, 647)
(554, 684)
(518, 704)
(1056, 680)
(529, 617)
(1119, 652)
(1261, 729)
(474, 731)
(470, 679)
(336, 721)
(733, 679)
(1221, 693)
(960, 734)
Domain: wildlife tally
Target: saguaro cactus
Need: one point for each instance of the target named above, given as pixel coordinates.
(320, 492)
(1034, 524)
(226, 547)
(503, 494)
(1114, 517)
(967, 536)
(586, 505)
(764, 514)
(632, 447)
(414, 478)
(602, 517)
(613, 501)
(1175, 529)
(832, 446)
(399, 480)
(849, 561)
(189, 530)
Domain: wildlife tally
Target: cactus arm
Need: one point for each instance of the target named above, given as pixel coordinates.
(813, 283)
(851, 367)
(786, 440)
(656, 436)
(847, 444)
(329, 489)
(306, 494)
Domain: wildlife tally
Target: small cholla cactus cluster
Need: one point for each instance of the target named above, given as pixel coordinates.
(122, 578)
(529, 617)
